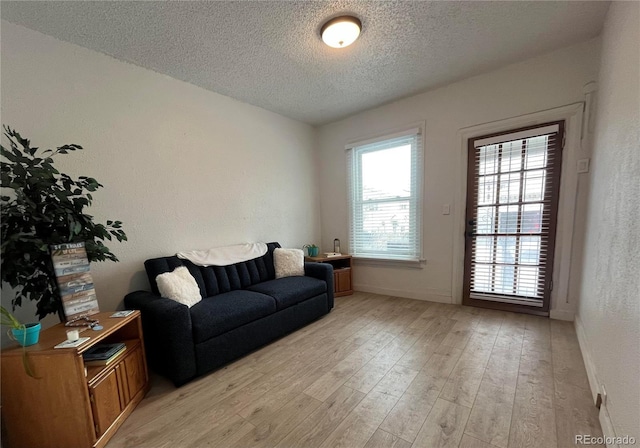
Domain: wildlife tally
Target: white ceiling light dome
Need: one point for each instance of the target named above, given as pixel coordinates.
(341, 31)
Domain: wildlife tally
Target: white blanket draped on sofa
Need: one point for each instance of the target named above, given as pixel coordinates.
(224, 256)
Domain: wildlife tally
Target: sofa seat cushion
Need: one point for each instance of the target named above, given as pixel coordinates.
(288, 291)
(218, 314)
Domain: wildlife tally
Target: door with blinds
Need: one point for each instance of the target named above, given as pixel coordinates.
(512, 201)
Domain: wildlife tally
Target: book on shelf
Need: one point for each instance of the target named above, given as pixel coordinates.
(103, 354)
(104, 362)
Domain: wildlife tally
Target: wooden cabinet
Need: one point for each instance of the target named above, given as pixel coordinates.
(71, 404)
(342, 285)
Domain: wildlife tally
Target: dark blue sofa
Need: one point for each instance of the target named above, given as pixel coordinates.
(243, 307)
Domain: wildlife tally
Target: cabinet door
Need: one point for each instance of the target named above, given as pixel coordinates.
(342, 280)
(105, 401)
(135, 371)
(123, 387)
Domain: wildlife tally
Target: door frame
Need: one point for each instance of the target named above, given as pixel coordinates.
(553, 218)
(562, 305)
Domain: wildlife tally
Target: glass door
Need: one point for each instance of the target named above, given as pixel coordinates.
(512, 201)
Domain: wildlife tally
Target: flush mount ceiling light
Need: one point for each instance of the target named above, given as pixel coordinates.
(341, 31)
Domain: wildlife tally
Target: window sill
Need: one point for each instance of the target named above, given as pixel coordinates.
(390, 262)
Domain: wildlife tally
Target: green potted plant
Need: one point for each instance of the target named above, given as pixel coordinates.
(24, 334)
(312, 249)
(41, 206)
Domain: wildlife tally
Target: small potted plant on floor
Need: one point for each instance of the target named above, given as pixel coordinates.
(41, 206)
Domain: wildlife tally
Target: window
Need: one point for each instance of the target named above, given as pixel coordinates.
(385, 197)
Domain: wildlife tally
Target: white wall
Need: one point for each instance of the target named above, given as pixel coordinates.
(609, 309)
(182, 167)
(549, 81)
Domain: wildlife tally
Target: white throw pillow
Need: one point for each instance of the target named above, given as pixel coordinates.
(180, 286)
(288, 262)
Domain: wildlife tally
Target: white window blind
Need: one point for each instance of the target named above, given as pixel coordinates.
(385, 197)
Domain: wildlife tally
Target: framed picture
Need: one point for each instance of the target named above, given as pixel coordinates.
(74, 279)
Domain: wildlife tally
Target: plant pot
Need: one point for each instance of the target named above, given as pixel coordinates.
(313, 251)
(28, 336)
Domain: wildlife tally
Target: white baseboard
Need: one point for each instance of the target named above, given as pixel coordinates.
(585, 348)
(607, 427)
(562, 315)
(594, 383)
(428, 295)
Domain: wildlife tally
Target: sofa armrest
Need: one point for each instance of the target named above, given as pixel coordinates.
(168, 335)
(321, 271)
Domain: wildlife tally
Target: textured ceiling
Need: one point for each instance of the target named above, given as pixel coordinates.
(269, 53)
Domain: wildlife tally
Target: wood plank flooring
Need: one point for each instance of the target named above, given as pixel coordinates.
(382, 372)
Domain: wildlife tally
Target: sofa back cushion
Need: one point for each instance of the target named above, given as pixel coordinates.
(213, 280)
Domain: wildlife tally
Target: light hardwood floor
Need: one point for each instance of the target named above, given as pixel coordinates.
(384, 371)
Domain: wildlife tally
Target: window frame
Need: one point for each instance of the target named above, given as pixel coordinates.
(414, 255)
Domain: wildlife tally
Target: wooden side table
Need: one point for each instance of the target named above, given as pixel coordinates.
(72, 404)
(342, 284)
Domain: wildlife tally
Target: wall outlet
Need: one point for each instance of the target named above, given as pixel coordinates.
(446, 209)
(583, 166)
